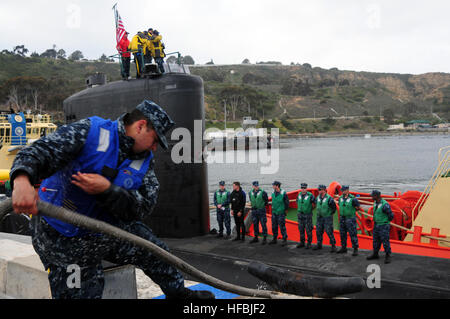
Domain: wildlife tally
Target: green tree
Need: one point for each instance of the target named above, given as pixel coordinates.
(61, 54)
(20, 50)
(389, 115)
(187, 60)
(76, 56)
(49, 53)
(296, 87)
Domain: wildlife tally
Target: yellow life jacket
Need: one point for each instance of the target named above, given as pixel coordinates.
(137, 43)
(157, 47)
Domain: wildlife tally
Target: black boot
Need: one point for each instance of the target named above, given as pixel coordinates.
(317, 247)
(301, 245)
(355, 252)
(243, 238)
(333, 249)
(373, 256)
(273, 242)
(284, 243)
(308, 246)
(264, 240)
(343, 250)
(193, 294)
(387, 259)
(220, 235)
(255, 240)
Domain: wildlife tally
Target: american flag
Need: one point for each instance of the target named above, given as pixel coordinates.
(120, 29)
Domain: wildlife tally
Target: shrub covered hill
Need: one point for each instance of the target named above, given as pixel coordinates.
(285, 96)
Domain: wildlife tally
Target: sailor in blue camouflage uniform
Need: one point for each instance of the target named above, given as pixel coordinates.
(325, 207)
(259, 201)
(348, 205)
(222, 202)
(382, 216)
(306, 202)
(102, 169)
(280, 207)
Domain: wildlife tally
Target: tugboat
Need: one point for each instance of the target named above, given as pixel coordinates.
(17, 130)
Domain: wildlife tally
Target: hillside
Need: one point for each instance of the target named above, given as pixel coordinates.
(282, 93)
(26, 82)
(305, 92)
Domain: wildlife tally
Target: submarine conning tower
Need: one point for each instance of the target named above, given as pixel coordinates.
(183, 204)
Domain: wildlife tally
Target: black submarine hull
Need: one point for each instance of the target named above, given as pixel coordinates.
(183, 204)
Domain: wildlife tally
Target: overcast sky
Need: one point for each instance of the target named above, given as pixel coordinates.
(380, 36)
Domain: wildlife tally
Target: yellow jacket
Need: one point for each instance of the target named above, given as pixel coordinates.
(150, 47)
(157, 47)
(139, 42)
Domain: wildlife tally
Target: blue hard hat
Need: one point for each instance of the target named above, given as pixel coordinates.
(159, 119)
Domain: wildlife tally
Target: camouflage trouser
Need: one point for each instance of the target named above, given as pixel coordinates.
(125, 67)
(259, 216)
(325, 223)
(223, 217)
(279, 220)
(348, 225)
(57, 253)
(160, 62)
(305, 224)
(381, 234)
(148, 58)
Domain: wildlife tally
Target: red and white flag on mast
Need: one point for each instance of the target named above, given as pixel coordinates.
(120, 29)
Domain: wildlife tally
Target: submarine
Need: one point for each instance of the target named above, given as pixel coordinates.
(182, 209)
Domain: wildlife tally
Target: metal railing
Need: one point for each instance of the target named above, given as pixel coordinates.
(442, 171)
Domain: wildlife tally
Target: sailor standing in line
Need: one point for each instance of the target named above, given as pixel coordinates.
(326, 207)
(280, 206)
(348, 205)
(382, 215)
(306, 202)
(238, 201)
(222, 203)
(259, 201)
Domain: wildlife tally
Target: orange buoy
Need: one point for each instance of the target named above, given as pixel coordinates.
(334, 189)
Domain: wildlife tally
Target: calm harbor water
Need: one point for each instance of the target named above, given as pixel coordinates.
(388, 163)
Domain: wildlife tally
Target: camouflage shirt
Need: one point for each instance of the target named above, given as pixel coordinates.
(54, 152)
